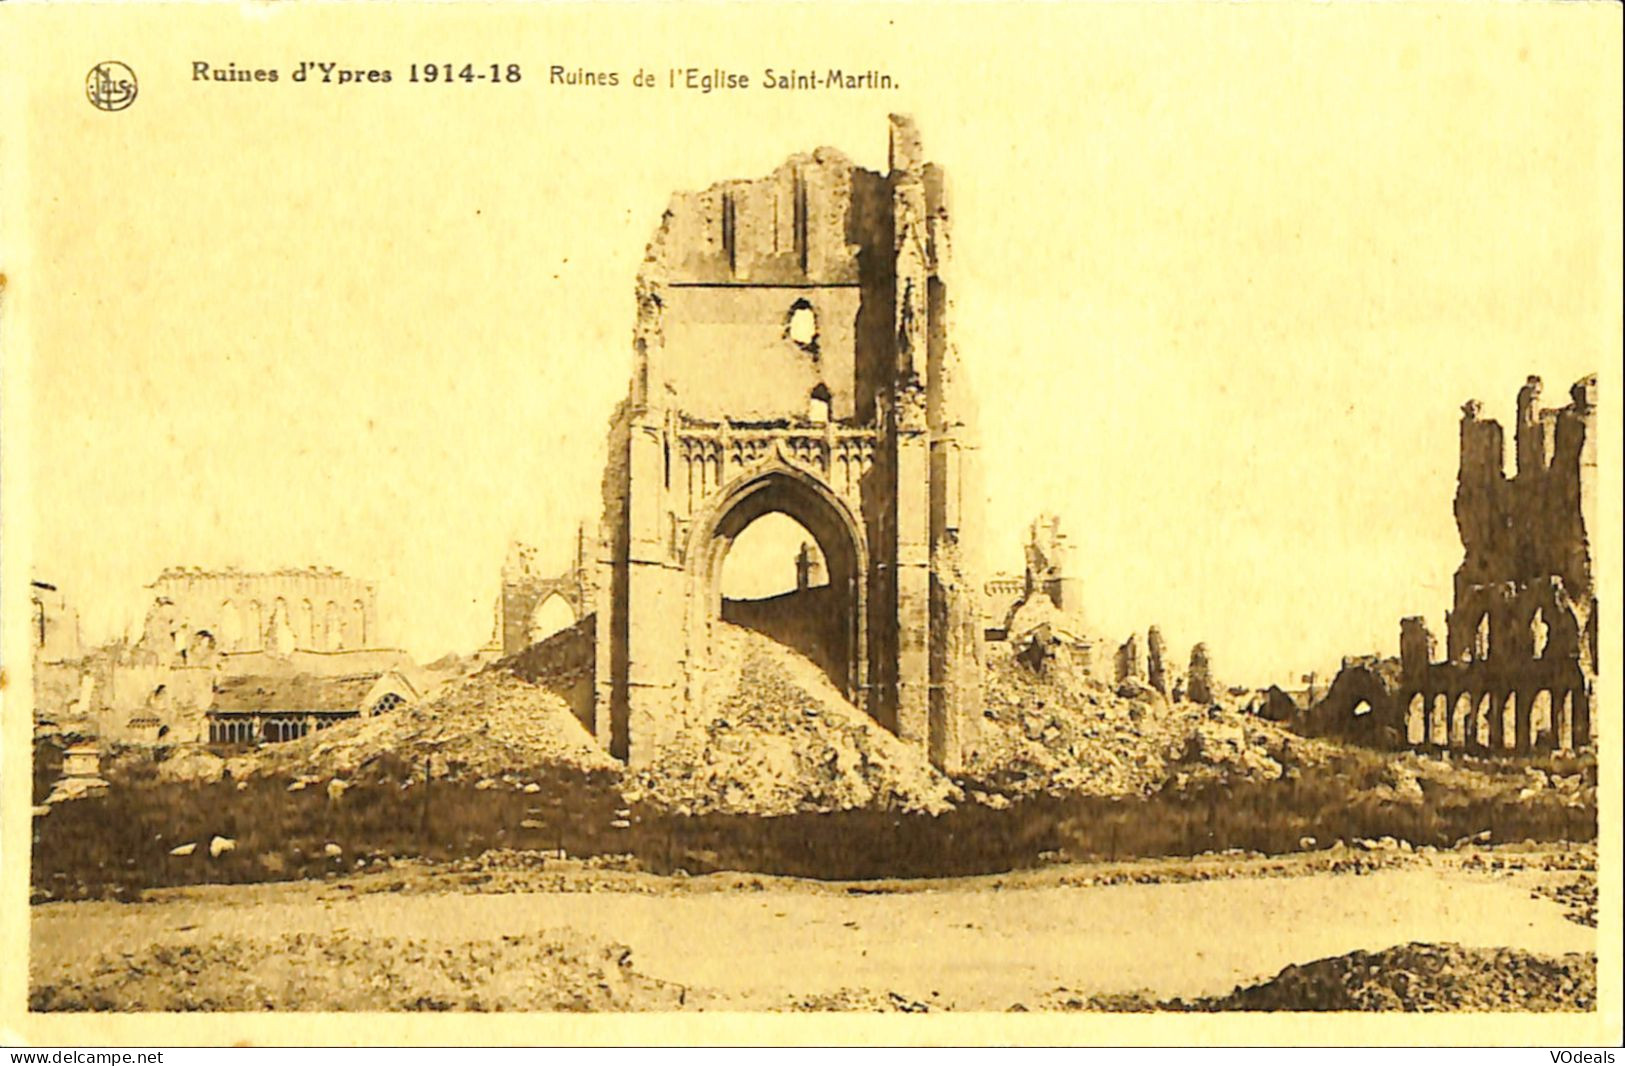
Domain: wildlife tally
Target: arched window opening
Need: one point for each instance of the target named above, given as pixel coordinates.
(551, 615)
(1481, 639)
(335, 627)
(1416, 726)
(1539, 633)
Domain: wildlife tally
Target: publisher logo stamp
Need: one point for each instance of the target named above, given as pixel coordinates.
(110, 85)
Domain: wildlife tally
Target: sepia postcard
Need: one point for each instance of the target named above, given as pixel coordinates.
(867, 523)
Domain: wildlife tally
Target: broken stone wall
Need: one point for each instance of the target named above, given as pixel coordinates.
(198, 612)
(527, 593)
(54, 627)
(1521, 637)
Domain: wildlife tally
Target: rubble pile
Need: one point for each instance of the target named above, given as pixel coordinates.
(561, 662)
(777, 737)
(858, 1000)
(555, 970)
(1059, 731)
(1426, 977)
(482, 727)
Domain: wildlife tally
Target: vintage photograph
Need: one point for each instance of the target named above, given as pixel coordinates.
(1083, 511)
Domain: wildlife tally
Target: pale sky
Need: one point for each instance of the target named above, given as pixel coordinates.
(1224, 278)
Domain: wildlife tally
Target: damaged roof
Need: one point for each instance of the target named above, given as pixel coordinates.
(301, 692)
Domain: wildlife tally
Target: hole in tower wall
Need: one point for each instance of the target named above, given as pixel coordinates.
(818, 406)
(801, 327)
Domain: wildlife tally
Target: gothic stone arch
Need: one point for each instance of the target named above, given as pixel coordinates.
(779, 486)
(822, 281)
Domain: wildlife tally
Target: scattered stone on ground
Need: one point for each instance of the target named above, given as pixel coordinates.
(778, 738)
(192, 763)
(861, 1001)
(1578, 897)
(557, 970)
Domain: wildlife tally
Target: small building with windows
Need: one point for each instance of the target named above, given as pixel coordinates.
(270, 709)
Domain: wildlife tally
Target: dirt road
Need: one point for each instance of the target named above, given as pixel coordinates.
(977, 944)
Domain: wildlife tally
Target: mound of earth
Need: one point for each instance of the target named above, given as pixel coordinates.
(1426, 977)
(482, 726)
(1409, 977)
(556, 970)
(1060, 731)
(777, 737)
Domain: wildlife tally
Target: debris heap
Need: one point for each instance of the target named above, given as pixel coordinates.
(483, 726)
(1060, 731)
(777, 737)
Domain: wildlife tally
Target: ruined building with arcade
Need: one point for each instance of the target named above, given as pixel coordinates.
(1520, 653)
(793, 354)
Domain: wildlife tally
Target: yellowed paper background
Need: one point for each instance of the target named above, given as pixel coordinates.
(1225, 276)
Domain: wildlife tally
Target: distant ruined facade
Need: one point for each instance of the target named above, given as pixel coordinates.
(793, 354)
(226, 657)
(1046, 592)
(196, 613)
(1520, 655)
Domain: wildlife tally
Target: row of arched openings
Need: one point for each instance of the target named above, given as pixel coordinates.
(253, 626)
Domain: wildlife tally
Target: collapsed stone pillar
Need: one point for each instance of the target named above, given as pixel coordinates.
(1156, 671)
(1129, 665)
(1199, 679)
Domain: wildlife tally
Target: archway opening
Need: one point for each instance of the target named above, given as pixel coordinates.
(775, 580)
(552, 614)
(784, 559)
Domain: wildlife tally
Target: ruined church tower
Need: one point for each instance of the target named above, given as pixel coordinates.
(792, 354)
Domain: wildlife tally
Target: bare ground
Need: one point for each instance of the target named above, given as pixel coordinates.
(532, 933)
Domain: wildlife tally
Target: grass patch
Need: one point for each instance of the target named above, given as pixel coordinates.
(119, 844)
